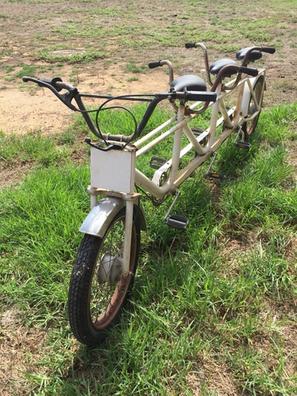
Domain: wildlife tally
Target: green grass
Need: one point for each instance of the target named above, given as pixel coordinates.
(9, 68)
(32, 147)
(71, 58)
(187, 23)
(108, 31)
(195, 301)
(26, 70)
(132, 68)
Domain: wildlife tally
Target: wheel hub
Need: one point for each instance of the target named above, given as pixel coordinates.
(110, 269)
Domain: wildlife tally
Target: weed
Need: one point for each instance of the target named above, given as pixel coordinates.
(131, 79)
(26, 70)
(9, 68)
(132, 68)
(5, 52)
(30, 148)
(70, 56)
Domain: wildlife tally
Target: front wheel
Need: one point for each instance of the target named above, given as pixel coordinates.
(98, 288)
(250, 126)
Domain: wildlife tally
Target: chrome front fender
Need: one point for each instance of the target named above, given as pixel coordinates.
(100, 217)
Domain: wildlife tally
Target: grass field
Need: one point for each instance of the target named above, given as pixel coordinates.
(212, 311)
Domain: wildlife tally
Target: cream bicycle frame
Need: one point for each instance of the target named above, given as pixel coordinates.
(179, 126)
(176, 175)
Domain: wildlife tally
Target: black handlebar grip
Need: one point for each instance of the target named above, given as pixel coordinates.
(37, 81)
(33, 79)
(269, 50)
(152, 65)
(248, 70)
(190, 45)
(201, 96)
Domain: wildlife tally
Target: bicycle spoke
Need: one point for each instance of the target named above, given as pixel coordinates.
(106, 292)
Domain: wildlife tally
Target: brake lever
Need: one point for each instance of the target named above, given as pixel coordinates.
(54, 83)
(53, 86)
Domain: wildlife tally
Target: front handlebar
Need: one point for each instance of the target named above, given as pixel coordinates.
(56, 85)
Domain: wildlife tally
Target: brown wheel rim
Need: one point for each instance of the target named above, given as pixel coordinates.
(106, 298)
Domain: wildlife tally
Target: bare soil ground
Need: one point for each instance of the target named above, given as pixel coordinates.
(18, 345)
(105, 47)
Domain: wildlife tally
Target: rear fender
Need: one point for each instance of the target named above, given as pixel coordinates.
(247, 95)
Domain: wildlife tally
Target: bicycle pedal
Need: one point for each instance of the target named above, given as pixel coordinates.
(244, 145)
(157, 162)
(213, 176)
(177, 221)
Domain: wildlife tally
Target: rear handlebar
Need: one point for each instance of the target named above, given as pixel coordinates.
(153, 65)
(190, 45)
(229, 70)
(253, 50)
(269, 50)
(251, 71)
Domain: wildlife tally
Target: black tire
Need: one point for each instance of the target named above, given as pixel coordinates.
(250, 126)
(90, 325)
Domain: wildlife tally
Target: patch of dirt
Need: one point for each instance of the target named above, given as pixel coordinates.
(39, 110)
(289, 333)
(12, 176)
(291, 250)
(126, 36)
(213, 375)
(232, 250)
(280, 342)
(19, 349)
(22, 112)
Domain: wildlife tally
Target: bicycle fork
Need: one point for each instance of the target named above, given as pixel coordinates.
(113, 176)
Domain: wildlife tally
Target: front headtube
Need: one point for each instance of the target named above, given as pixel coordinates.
(100, 217)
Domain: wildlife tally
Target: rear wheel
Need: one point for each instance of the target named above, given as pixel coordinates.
(249, 127)
(98, 288)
